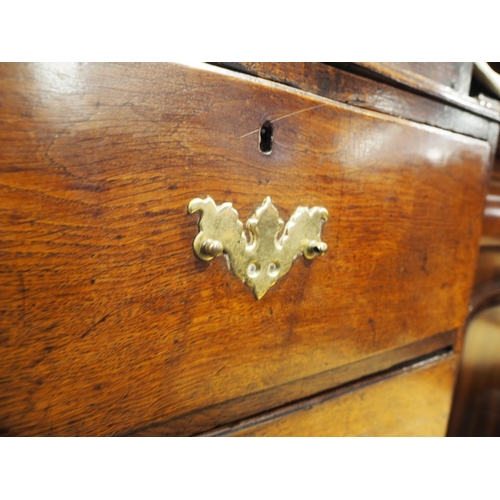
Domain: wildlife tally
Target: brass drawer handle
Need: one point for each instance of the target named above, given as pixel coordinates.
(261, 260)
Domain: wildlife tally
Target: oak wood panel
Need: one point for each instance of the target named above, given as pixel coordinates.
(366, 93)
(456, 75)
(109, 322)
(416, 402)
(387, 72)
(198, 421)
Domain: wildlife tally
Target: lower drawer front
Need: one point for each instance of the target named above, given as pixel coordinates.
(413, 403)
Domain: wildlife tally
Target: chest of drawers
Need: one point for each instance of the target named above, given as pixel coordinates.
(110, 325)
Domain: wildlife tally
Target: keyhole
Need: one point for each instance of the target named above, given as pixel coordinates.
(266, 138)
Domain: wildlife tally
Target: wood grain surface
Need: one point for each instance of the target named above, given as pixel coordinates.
(414, 402)
(456, 75)
(366, 93)
(206, 419)
(108, 321)
(392, 73)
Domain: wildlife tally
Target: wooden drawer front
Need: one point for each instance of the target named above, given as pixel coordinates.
(109, 322)
(415, 403)
(456, 75)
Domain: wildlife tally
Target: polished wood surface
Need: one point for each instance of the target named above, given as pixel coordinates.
(456, 75)
(390, 72)
(109, 324)
(335, 83)
(198, 421)
(416, 402)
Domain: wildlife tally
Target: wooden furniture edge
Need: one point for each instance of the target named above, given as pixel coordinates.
(417, 364)
(202, 420)
(421, 84)
(374, 95)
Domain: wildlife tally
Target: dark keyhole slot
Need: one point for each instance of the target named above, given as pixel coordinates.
(266, 138)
